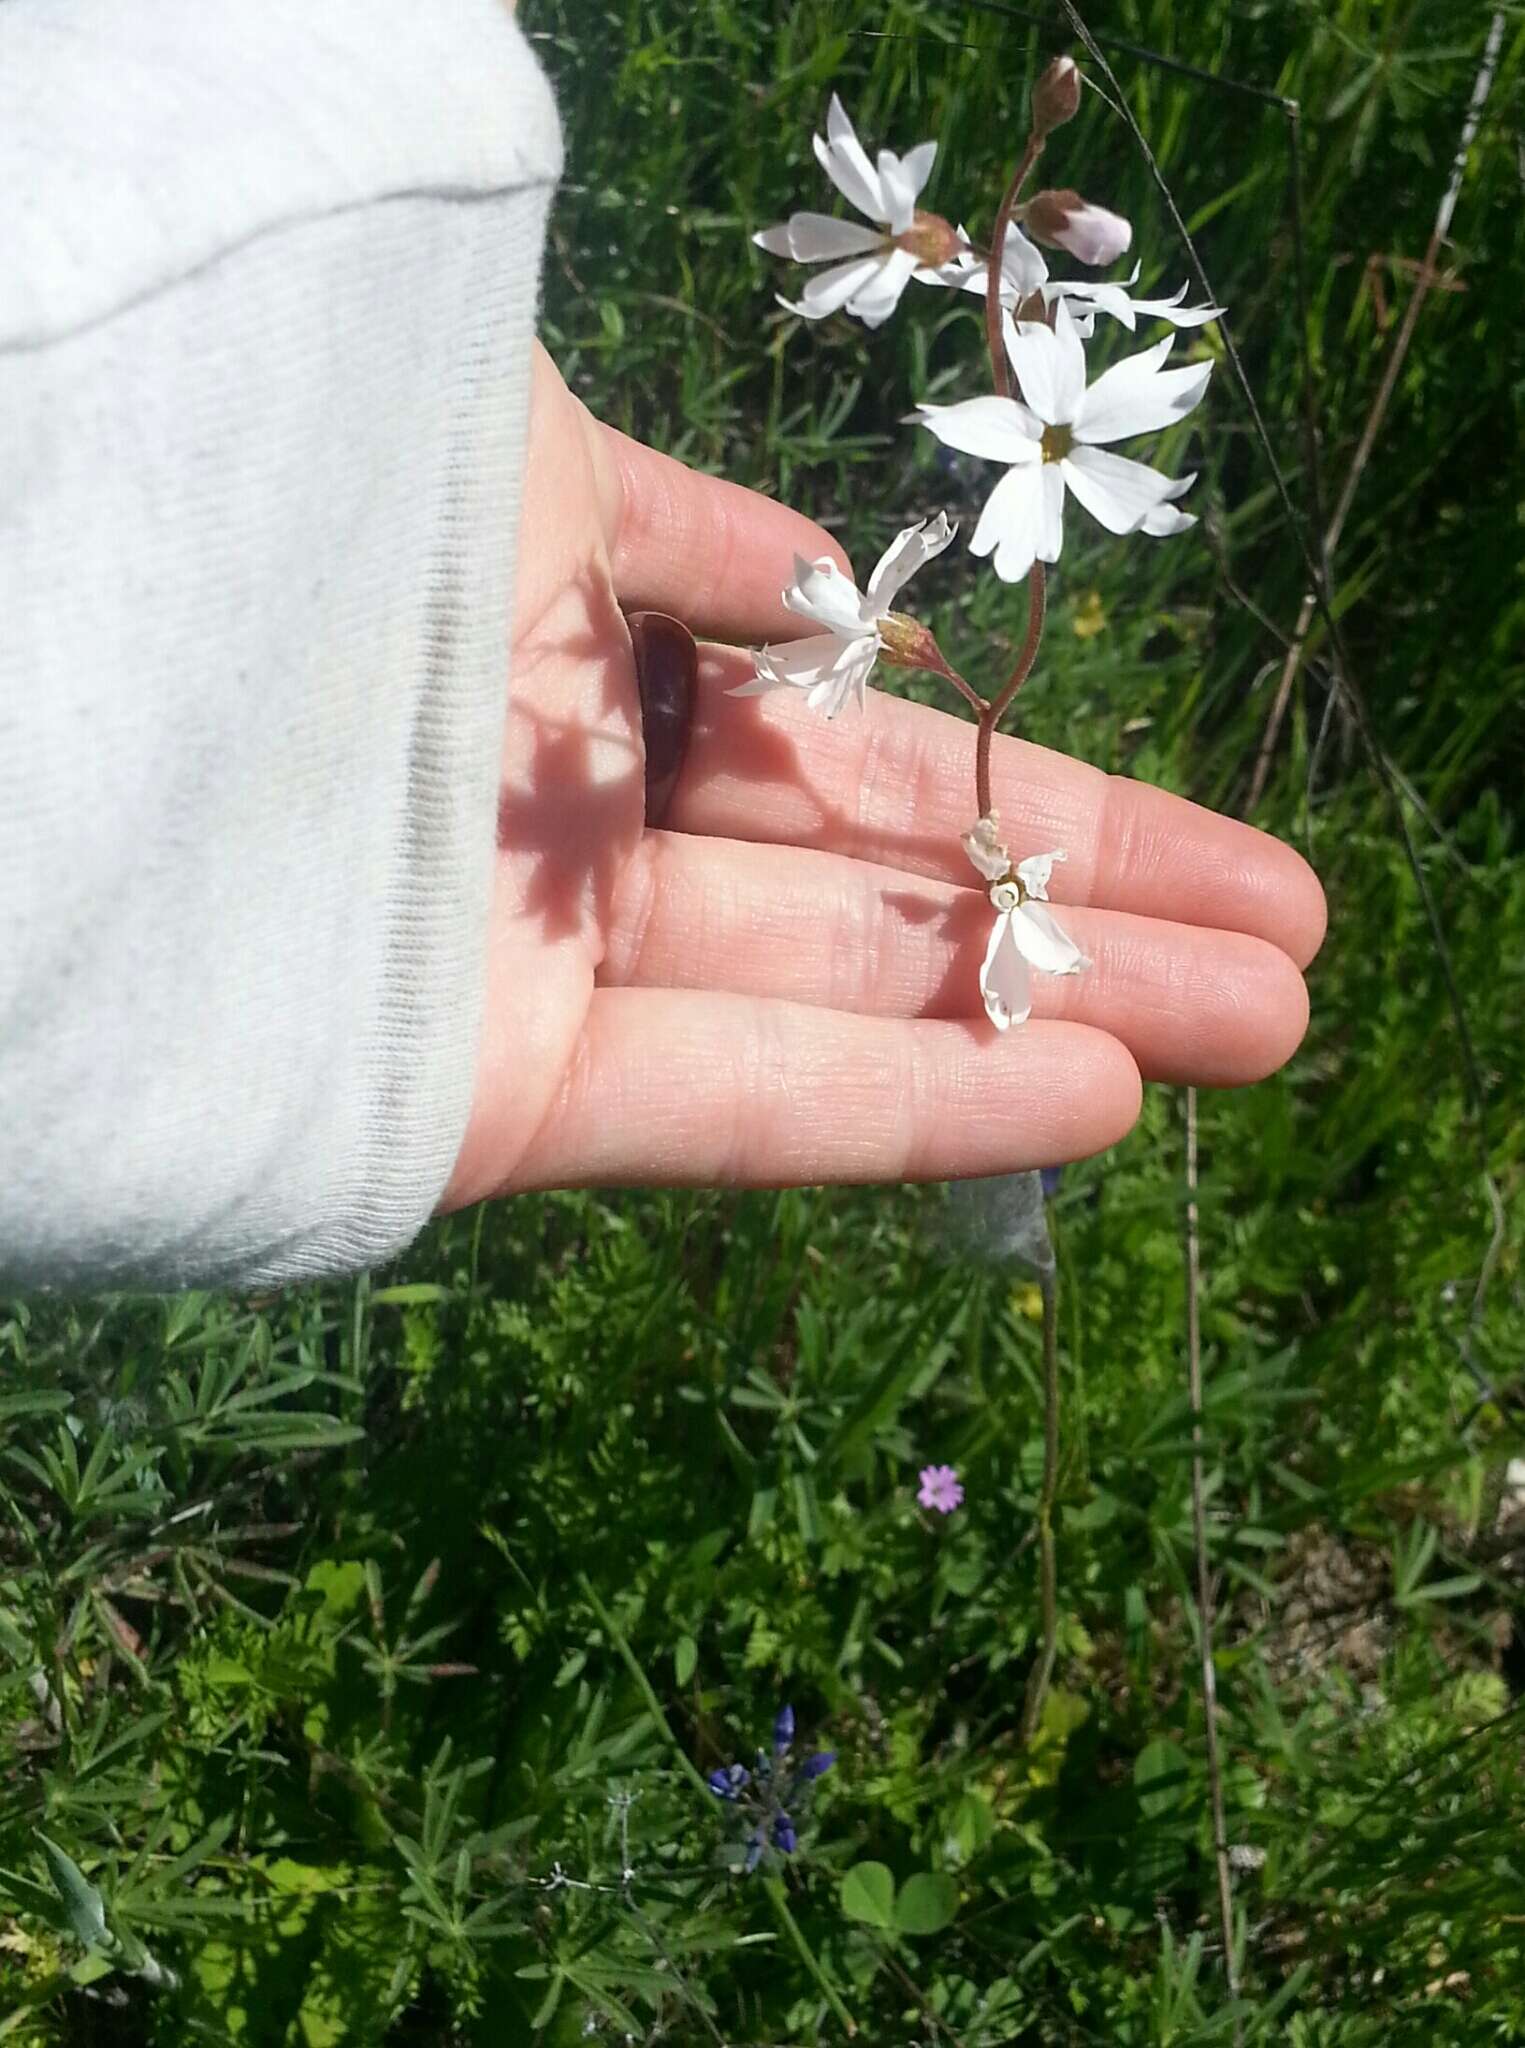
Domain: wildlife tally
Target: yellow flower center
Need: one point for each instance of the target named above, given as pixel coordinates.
(1057, 443)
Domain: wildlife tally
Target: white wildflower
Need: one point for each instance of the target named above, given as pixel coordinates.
(870, 266)
(833, 667)
(1051, 440)
(1025, 934)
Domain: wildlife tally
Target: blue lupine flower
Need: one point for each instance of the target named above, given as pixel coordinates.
(729, 1782)
(768, 1798)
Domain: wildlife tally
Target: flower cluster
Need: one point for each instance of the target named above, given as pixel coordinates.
(770, 1800)
(1050, 427)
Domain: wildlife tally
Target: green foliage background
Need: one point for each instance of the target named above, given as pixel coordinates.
(359, 1648)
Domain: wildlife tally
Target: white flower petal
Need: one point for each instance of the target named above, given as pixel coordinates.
(1088, 299)
(818, 238)
(906, 553)
(829, 290)
(1050, 365)
(986, 851)
(1165, 519)
(917, 164)
(1172, 310)
(821, 592)
(1119, 493)
(1034, 872)
(843, 159)
(1051, 539)
(998, 429)
(1012, 526)
(800, 665)
(899, 192)
(848, 680)
(1136, 396)
(1044, 943)
(1005, 984)
(875, 300)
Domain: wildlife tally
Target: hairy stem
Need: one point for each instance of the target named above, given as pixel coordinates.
(999, 369)
(991, 716)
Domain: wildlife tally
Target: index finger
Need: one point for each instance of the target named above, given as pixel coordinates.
(895, 785)
(707, 551)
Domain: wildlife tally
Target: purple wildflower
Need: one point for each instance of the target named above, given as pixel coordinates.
(767, 1798)
(940, 1489)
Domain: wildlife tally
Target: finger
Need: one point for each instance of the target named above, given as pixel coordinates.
(896, 785)
(707, 551)
(678, 1089)
(1212, 1008)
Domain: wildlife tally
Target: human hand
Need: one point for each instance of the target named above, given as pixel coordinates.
(779, 984)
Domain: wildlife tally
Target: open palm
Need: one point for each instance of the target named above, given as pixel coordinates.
(780, 985)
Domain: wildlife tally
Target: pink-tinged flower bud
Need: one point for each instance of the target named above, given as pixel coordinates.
(1056, 96)
(1066, 221)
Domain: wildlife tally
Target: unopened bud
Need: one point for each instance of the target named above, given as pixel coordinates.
(1066, 221)
(905, 642)
(1056, 96)
(932, 240)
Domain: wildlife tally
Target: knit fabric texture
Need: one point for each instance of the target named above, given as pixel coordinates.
(266, 315)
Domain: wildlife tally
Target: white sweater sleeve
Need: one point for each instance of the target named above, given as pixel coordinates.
(267, 289)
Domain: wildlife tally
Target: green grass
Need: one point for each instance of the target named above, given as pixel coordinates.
(360, 1647)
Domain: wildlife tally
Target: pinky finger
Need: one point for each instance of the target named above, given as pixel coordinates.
(674, 1088)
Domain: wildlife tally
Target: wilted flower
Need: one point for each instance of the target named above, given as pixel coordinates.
(1050, 439)
(769, 1797)
(879, 261)
(1025, 934)
(1088, 233)
(833, 667)
(940, 1489)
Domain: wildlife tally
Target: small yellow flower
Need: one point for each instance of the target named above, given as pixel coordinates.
(1089, 619)
(1028, 1301)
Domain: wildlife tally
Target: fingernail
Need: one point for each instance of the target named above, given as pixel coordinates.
(666, 665)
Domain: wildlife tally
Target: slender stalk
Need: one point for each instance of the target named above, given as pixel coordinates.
(775, 1890)
(990, 715)
(644, 1687)
(999, 368)
(1048, 1567)
(1205, 1593)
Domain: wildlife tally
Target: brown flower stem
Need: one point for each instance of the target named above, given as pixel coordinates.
(991, 716)
(999, 370)
(967, 691)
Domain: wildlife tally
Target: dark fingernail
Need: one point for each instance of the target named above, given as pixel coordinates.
(666, 667)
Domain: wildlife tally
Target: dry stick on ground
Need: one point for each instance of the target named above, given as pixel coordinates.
(1482, 85)
(1206, 1594)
